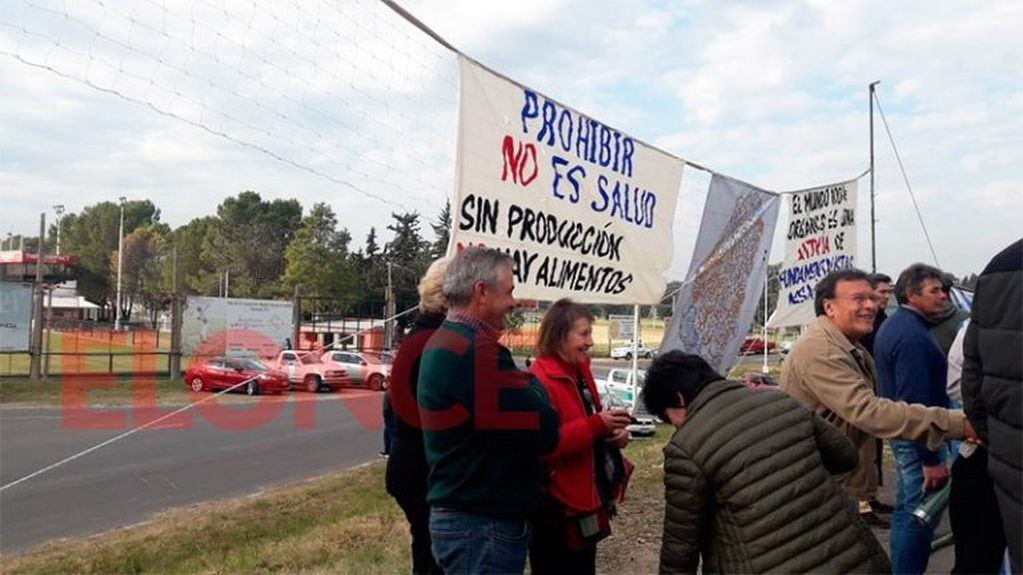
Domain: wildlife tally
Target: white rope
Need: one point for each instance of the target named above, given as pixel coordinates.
(905, 178)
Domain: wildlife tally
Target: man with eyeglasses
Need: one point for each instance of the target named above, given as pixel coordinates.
(911, 367)
(830, 373)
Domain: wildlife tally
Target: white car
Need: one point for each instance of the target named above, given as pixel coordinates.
(365, 369)
(625, 351)
(616, 391)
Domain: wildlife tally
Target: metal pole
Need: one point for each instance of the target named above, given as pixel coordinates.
(635, 355)
(59, 208)
(873, 220)
(49, 332)
(764, 368)
(389, 311)
(175, 346)
(296, 318)
(35, 345)
(120, 254)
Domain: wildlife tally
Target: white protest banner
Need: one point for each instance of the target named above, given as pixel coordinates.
(821, 238)
(15, 316)
(715, 307)
(584, 210)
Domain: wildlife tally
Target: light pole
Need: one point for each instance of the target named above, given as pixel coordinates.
(120, 253)
(59, 208)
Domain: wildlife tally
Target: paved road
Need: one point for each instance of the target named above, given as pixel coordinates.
(199, 458)
(179, 463)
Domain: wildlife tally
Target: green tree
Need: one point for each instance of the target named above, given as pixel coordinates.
(248, 241)
(317, 259)
(441, 232)
(142, 271)
(409, 255)
(91, 237)
(372, 269)
(196, 274)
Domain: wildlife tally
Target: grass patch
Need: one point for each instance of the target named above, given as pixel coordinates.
(99, 352)
(106, 390)
(340, 523)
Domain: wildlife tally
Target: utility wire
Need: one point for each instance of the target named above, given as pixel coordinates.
(906, 179)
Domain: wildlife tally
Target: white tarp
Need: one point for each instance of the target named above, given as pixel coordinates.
(240, 327)
(715, 307)
(15, 316)
(821, 238)
(585, 210)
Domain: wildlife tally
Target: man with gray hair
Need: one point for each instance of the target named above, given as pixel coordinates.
(830, 373)
(485, 424)
(911, 367)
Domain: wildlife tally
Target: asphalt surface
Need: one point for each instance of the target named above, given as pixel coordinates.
(202, 456)
(197, 457)
(231, 451)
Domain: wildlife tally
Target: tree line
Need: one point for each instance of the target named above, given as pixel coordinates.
(263, 249)
(251, 248)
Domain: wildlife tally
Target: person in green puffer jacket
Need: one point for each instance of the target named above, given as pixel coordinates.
(747, 478)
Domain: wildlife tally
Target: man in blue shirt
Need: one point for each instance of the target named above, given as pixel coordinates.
(912, 368)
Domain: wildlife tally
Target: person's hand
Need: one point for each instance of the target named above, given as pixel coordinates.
(615, 419)
(970, 434)
(934, 476)
(618, 438)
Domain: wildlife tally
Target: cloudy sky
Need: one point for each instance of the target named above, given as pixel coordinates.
(186, 103)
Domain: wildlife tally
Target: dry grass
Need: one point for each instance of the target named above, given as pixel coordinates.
(635, 542)
(340, 523)
(104, 391)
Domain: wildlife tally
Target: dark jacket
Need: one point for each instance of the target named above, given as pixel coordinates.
(992, 388)
(406, 466)
(485, 424)
(945, 327)
(867, 341)
(749, 488)
(911, 367)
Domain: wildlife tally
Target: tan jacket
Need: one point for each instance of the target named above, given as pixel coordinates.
(835, 378)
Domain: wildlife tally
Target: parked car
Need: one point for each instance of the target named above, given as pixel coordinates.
(616, 391)
(365, 369)
(786, 347)
(306, 370)
(753, 345)
(625, 351)
(225, 372)
(759, 381)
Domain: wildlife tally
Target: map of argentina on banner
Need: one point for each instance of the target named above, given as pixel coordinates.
(820, 238)
(585, 210)
(715, 306)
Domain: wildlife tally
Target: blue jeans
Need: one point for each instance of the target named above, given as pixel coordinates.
(910, 540)
(470, 543)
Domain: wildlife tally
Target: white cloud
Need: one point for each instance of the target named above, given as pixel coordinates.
(772, 93)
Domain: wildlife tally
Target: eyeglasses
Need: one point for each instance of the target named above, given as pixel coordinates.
(860, 299)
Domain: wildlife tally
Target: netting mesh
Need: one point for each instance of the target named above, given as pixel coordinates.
(346, 90)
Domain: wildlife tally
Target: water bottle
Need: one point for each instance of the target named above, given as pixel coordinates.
(933, 504)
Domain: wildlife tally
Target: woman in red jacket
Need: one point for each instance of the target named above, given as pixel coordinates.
(579, 493)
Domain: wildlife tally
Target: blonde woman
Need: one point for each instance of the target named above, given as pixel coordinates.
(406, 466)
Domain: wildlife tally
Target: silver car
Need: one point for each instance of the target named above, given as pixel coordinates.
(365, 369)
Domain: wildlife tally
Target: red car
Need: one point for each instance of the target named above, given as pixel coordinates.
(754, 345)
(223, 372)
